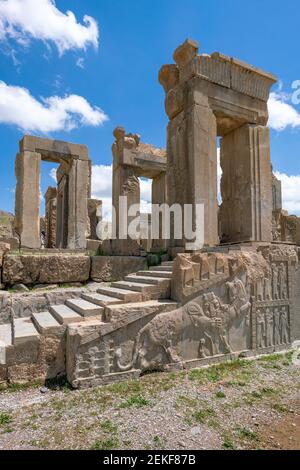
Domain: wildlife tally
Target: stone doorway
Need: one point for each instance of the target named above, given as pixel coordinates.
(73, 192)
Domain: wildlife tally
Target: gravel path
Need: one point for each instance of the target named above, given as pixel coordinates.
(239, 405)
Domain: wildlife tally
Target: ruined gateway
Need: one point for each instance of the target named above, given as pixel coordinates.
(237, 297)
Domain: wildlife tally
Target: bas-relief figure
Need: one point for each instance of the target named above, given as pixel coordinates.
(198, 330)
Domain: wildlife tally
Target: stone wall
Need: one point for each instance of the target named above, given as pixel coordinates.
(234, 304)
(45, 269)
(112, 268)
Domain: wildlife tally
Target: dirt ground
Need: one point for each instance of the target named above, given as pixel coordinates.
(238, 405)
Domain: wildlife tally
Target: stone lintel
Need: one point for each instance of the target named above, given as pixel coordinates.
(53, 149)
(147, 165)
(147, 160)
(217, 68)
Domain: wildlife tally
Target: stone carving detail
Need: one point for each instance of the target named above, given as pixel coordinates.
(131, 185)
(272, 327)
(207, 321)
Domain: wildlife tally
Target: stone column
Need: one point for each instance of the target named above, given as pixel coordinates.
(62, 207)
(78, 189)
(125, 181)
(159, 189)
(246, 185)
(191, 147)
(27, 206)
(95, 216)
(50, 217)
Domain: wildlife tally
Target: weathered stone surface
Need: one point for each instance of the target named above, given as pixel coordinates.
(121, 248)
(50, 217)
(246, 210)
(45, 269)
(70, 212)
(95, 216)
(4, 248)
(114, 268)
(13, 242)
(132, 159)
(93, 245)
(207, 97)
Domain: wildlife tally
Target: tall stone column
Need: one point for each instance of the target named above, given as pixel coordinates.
(27, 208)
(159, 186)
(50, 217)
(246, 185)
(191, 148)
(125, 182)
(78, 187)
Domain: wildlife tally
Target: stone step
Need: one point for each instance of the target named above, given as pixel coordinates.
(167, 263)
(45, 323)
(160, 274)
(117, 312)
(136, 287)
(122, 294)
(6, 334)
(85, 308)
(65, 315)
(101, 299)
(24, 331)
(162, 268)
(146, 279)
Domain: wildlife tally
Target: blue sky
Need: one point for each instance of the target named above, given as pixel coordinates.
(117, 72)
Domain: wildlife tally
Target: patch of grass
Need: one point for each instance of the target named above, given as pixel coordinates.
(108, 427)
(227, 443)
(202, 415)
(136, 400)
(5, 418)
(280, 408)
(19, 387)
(220, 394)
(246, 433)
(105, 444)
(269, 391)
(184, 401)
(220, 372)
(158, 442)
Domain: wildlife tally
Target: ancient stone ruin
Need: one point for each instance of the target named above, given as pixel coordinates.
(127, 311)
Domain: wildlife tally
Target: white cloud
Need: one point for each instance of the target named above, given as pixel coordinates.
(282, 114)
(20, 108)
(23, 20)
(290, 192)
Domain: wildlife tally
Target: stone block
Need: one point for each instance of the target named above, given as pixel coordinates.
(45, 269)
(93, 245)
(4, 248)
(121, 248)
(13, 242)
(112, 268)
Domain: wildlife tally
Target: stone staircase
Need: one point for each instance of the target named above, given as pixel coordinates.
(149, 288)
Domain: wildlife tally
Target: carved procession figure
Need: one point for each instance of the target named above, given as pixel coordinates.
(261, 329)
(277, 335)
(284, 326)
(268, 285)
(282, 282)
(275, 282)
(269, 327)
